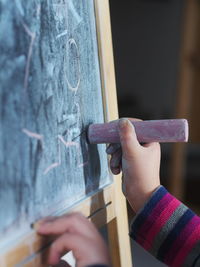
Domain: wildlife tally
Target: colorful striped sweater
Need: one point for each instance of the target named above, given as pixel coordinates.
(169, 230)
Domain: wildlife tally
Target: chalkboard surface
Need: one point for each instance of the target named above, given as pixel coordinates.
(50, 90)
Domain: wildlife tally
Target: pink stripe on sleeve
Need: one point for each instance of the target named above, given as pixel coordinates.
(153, 216)
(180, 240)
(160, 222)
(187, 247)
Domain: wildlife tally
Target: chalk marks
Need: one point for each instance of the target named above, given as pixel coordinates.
(52, 166)
(31, 34)
(83, 164)
(29, 55)
(19, 7)
(61, 11)
(55, 164)
(72, 44)
(38, 11)
(67, 144)
(74, 12)
(32, 134)
(61, 140)
(62, 34)
(42, 111)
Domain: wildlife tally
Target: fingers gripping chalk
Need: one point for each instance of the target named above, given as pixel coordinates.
(162, 131)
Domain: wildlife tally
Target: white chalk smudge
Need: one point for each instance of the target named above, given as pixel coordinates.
(19, 7)
(50, 69)
(83, 164)
(38, 10)
(74, 12)
(72, 42)
(62, 34)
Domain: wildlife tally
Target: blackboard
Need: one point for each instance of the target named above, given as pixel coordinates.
(50, 91)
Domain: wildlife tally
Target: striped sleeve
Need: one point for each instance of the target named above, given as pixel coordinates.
(169, 230)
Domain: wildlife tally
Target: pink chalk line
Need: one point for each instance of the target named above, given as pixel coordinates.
(55, 164)
(52, 166)
(32, 134)
(30, 51)
(67, 144)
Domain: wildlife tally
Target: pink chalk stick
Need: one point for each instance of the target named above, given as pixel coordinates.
(162, 131)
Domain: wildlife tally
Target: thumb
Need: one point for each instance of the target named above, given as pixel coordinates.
(128, 138)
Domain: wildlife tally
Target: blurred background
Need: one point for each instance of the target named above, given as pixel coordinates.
(157, 62)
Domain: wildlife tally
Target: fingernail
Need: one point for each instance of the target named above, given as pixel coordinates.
(123, 123)
(36, 225)
(43, 222)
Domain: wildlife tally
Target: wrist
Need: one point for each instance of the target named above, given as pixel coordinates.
(137, 199)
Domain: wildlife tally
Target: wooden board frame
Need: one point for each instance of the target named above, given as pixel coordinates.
(107, 206)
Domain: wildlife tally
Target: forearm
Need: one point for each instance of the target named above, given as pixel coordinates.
(168, 229)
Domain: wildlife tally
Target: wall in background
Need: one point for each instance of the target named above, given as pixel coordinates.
(146, 37)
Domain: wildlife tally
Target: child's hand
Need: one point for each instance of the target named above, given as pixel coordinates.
(74, 233)
(140, 165)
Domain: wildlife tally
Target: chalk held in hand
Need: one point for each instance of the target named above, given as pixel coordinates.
(162, 131)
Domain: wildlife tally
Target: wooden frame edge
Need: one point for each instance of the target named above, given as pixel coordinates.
(118, 227)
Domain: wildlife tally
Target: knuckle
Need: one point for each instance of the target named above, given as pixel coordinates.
(54, 246)
(77, 217)
(127, 137)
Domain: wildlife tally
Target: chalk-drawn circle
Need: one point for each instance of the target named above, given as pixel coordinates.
(74, 66)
